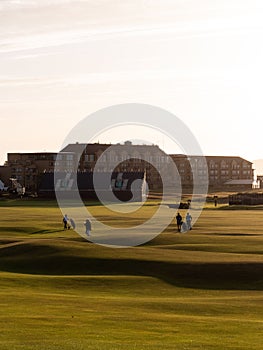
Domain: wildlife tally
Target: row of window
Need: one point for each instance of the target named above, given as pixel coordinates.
(124, 157)
(215, 165)
(216, 172)
(64, 157)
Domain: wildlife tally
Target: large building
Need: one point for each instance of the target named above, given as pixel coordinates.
(224, 172)
(27, 168)
(219, 172)
(121, 158)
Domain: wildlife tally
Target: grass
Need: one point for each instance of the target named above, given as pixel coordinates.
(200, 290)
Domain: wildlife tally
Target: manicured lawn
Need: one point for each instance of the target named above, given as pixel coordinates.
(200, 290)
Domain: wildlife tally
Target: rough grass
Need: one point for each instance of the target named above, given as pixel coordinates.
(200, 290)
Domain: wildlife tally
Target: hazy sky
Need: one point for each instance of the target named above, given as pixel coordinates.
(61, 60)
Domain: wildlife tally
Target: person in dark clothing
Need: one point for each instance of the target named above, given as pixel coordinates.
(179, 220)
(65, 222)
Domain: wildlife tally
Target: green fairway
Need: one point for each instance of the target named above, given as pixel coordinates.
(199, 290)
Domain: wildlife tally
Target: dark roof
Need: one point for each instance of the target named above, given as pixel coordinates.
(209, 157)
(94, 147)
(80, 147)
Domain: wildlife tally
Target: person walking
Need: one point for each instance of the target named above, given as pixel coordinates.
(188, 219)
(179, 220)
(65, 221)
(87, 224)
(72, 223)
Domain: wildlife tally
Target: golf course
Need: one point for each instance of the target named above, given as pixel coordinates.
(198, 290)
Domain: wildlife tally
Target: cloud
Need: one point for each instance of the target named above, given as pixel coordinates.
(33, 25)
(58, 38)
(14, 5)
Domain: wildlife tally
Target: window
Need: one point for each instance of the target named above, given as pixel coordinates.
(102, 158)
(224, 164)
(89, 157)
(200, 163)
(59, 157)
(234, 165)
(245, 165)
(124, 156)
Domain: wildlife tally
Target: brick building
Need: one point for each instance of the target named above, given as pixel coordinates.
(224, 172)
(122, 158)
(28, 167)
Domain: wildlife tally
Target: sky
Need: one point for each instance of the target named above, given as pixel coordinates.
(61, 60)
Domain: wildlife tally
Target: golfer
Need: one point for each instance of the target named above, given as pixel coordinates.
(65, 222)
(179, 221)
(87, 224)
(189, 221)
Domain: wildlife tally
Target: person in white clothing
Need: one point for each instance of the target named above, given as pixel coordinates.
(189, 221)
(87, 224)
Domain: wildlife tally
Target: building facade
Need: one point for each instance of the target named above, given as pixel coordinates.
(219, 172)
(259, 180)
(222, 172)
(27, 168)
(122, 158)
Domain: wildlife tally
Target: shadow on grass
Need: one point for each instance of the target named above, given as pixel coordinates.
(53, 260)
(239, 234)
(47, 231)
(38, 202)
(28, 230)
